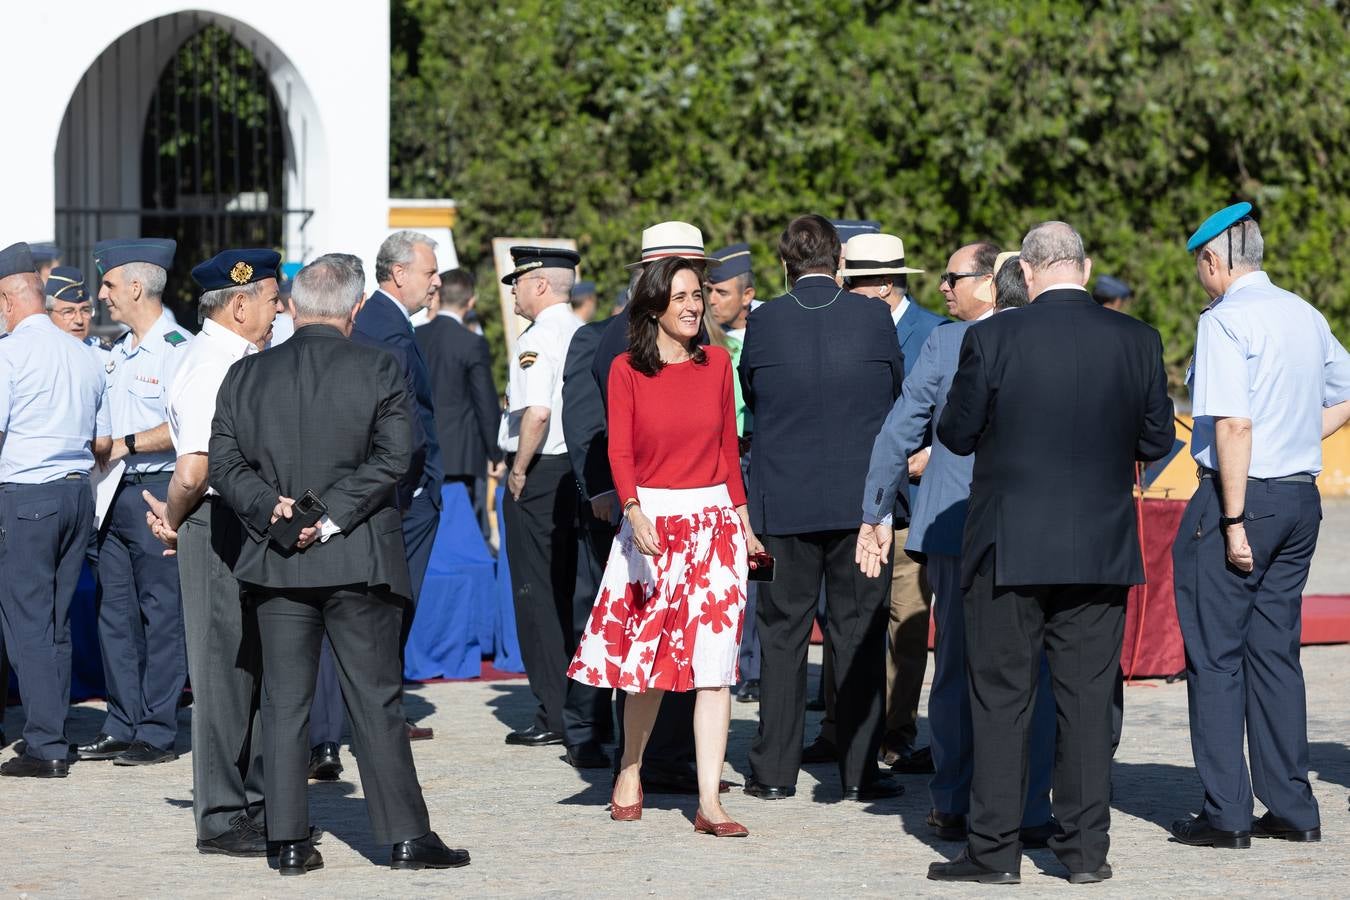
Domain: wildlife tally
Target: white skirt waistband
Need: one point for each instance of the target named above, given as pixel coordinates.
(681, 501)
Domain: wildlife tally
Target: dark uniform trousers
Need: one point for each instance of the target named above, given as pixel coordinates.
(856, 625)
(44, 530)
(1242, 636)
(363, 626)
(140, 620)
(588, 715)
(223, 659)
(1079, 627)
(541, 542)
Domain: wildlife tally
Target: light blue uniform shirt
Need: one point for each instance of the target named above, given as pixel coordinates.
(1264, 354)
(51, 391)
(101, 358)
(138, 387)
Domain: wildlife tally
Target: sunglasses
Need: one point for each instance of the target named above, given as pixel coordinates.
(951, 278)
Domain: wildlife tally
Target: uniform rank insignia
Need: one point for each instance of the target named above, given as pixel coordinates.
(109, 367)
(174, 338)
(527, 359)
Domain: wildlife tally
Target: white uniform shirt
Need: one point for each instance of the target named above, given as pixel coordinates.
(537, 378)
(139, 378)
(192, 396)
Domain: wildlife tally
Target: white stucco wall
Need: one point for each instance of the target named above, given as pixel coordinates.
(328, 64)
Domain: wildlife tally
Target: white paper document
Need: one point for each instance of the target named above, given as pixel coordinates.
(105, 485)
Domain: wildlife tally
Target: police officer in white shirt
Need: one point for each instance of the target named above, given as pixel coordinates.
(1269, 382)
(140, 618)
(541, 493)
(51, 392)
(239, 304)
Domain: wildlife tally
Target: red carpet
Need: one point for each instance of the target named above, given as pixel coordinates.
(1326, 619)
(489, 673)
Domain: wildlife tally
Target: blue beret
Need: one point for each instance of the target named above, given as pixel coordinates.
(66, 283)
(729, 262)
(1108, 288)
(583, 289)
(108, 255)
(1217, 224)
(16, 259)
(847, 228)
(527, 259)
(236, 268)
(44, 251)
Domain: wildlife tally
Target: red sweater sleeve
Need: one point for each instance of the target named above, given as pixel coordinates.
(731, 450)
(621, 409)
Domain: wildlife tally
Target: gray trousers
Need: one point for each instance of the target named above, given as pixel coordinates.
(363, 626)
(223, 660)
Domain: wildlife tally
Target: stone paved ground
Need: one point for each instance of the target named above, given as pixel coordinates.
(537, 828)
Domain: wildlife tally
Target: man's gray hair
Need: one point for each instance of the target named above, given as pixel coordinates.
(212, 301)
(1249, 248)
(328, 288)
(397, 250)
(353, 262)
(560, 281)
(1051, 244)
(151, 277)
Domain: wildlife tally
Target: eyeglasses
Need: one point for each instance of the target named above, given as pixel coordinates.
(71, 312)
(951, 278)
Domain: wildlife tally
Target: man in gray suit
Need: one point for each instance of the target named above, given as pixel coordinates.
(274, 439)
(935, 529)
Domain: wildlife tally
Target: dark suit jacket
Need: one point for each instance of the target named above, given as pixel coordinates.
(613, 341)
(464, 398)
(583, 415)
(316, 413)
(381, 323)
(820, 374)
(1057, 401)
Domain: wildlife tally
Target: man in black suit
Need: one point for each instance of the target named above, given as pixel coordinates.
(462, 393)
(820, 369)
(322, 414)
(1057, 401)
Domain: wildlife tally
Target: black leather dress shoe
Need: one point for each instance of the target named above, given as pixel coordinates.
(963, 868)
(325, 763)
(1091, 877)
(142, 754)
(1198, 833)
(244, 839)
(533, 737)
(947, 826)
(883, 788)
(819, 751)
(587, 756)
(26, 766)
(427, 852)
(298, 857)
(1037, 837)
(767, 791)
(1272, 826)
(102, 747)
(914, 762)
(748, 691)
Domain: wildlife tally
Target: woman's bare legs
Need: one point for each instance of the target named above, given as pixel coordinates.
(712, 720)
(639, 712)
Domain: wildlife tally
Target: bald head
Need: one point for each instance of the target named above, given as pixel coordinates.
(1052, 253)
(20, 297)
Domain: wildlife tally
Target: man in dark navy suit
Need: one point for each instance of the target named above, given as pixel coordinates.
(820, 370)
(406, 272)
(466, 405)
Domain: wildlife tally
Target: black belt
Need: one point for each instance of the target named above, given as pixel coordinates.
(145, 477)
(1298, 478)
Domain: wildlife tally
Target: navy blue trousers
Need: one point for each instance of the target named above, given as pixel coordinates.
(140, 621)
(1242, 635)
(44, 529)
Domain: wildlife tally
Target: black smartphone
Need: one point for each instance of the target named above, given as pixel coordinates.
(306, 511)
(761, 567)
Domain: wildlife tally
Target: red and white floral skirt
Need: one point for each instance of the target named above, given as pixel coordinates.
(670, 622)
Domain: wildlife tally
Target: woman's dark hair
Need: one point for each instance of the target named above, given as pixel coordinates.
(650, 299)
(809, 244)
(1010, 288)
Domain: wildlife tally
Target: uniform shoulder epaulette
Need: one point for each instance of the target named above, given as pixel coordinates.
(104, 344)
(174, 338)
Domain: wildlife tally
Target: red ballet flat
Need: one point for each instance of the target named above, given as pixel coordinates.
(626, 813)
(721, 829)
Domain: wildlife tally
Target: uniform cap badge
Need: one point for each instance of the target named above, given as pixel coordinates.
(241, 273)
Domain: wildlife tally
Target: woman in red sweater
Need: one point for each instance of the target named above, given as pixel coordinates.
(668, 616)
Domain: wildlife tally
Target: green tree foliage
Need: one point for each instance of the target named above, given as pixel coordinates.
(946, 121)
